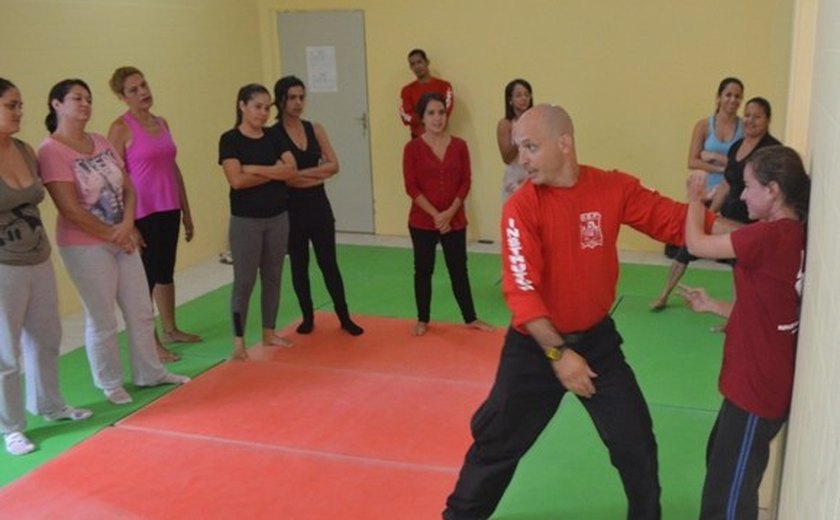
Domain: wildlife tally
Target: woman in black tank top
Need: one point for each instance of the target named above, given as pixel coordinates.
(310, 214)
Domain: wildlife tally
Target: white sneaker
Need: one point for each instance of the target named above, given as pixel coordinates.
(18, 444)
(118, 395)
(226, 257)
(70, 413)
(173, 379)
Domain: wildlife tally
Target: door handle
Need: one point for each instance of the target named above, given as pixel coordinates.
(363, 120)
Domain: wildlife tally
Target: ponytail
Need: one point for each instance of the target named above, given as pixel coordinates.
(59, 92)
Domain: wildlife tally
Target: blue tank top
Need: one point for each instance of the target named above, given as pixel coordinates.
(713, 144)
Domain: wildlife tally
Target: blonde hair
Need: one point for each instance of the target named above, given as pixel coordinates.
(117, 82)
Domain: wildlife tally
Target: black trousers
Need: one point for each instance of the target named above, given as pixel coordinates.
(736, 457)
(454, 246)
(524, 398)
(160, 232)
(312, 220)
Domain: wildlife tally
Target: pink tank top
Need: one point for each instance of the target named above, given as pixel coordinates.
(150, 162)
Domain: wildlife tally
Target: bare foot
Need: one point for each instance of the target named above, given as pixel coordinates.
(240, 354)
(166, 355)
(271, 339)
(658, 304)
(483, 326)
(179, 336)
(420, 328)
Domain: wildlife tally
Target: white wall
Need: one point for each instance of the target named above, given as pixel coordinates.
(811, 475)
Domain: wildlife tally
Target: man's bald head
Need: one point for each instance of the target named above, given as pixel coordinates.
(554, 119)
(544, 137)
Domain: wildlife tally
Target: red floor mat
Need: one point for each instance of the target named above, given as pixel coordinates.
(447, 350)
(370, 427)
(380, 416)
(121, 474)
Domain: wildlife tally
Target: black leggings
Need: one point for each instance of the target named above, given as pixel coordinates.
(454, 246)
(160, 232)
(312, 220)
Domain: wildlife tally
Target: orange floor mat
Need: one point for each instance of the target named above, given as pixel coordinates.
(121, 474)
(371, 427)
(394, 418)
(447, 350)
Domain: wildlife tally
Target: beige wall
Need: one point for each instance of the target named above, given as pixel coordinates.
(811, 478)
(635, 75)
(195, 54)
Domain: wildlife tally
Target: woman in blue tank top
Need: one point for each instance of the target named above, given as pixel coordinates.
(712, 136)
(710, 142)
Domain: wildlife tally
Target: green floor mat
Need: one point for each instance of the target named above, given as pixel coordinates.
(567, 474)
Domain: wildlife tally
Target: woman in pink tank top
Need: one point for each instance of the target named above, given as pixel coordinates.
(145, 144)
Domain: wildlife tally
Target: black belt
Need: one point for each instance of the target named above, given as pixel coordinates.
(573, 338)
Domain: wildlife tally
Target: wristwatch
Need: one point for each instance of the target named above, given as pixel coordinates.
(555, 353)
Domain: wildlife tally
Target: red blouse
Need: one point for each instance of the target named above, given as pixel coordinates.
(439, 180)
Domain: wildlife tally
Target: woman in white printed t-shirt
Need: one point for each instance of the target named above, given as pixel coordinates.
(98, 242)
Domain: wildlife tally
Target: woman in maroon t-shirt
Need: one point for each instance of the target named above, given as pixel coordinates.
(756, 377)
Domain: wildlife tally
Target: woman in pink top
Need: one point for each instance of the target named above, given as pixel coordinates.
(98, 242)
(143, 141)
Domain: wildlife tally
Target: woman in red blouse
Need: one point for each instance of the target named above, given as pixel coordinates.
(436, 168)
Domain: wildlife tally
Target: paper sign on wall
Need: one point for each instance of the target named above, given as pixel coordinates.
(321, 70)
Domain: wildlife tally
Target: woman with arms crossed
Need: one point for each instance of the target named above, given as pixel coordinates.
(713, 136)
(756, 377)
(256, 166)
(711, 140)
(310, 214)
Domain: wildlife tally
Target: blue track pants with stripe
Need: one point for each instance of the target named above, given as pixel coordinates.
(736, 458)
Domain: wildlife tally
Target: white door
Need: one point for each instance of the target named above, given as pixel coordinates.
(326, 49)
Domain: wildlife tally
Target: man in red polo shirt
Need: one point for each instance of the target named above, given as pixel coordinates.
(424, 83)
(559, 235)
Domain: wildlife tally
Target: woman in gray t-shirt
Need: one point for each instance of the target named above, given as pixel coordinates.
(29, 318)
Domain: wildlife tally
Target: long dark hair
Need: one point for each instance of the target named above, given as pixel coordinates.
(509, 112)
(281, 91)
(58, 93)
(5, 85)
(725, 82)
(782, 165)
(245, 94)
